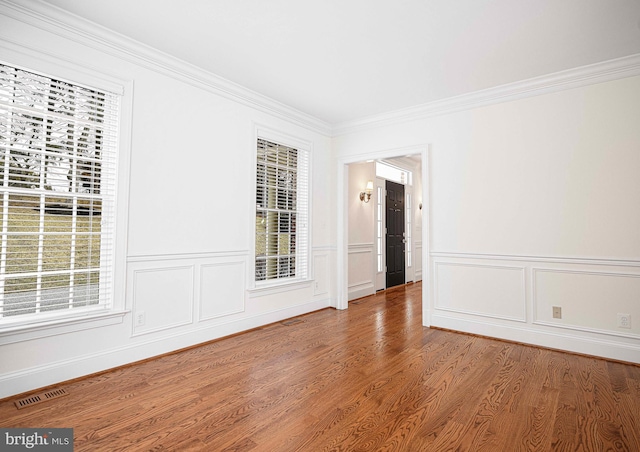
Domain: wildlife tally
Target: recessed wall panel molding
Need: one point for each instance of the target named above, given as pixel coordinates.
(488, 290)
(360, 266)
(221, 289)
(320, 273)
(162, 298)
(418, 261)
(361, 271)
(590, 301)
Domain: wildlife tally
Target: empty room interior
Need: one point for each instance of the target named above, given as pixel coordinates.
(321, 225)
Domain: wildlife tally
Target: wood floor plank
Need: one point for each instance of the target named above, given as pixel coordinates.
(370, 378)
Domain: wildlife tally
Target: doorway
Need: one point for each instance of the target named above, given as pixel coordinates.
(349, 204)
(395, 235)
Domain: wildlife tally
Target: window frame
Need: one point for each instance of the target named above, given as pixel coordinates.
(303, 245)
(72, 320)
(394, 173)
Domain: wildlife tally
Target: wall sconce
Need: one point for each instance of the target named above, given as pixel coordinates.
(366, 194)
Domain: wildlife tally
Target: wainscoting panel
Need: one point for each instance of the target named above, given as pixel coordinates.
(481, 289)
(361, 272)
(222, 289)
(606, 294)
(512, 297)
(417, 261)
(162, 298)
(320, 273)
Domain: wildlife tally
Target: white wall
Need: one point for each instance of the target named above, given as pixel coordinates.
(534, 203)
(186, 244)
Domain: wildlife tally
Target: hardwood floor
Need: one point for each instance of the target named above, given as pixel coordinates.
(367, 379)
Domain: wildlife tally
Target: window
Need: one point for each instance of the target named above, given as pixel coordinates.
(393, 173)
(281, 212)
(57, 183)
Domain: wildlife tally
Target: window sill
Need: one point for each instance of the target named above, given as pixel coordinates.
(278, 287)
(10, 334)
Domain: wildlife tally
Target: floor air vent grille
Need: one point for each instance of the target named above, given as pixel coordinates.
(40, 397)
(291, 322)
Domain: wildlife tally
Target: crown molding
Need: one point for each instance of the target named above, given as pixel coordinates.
(84, 32)
(591, 74)
(57, 21)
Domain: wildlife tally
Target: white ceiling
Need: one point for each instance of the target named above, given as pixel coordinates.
(339, 60)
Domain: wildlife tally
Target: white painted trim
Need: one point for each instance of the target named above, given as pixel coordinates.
(325, 265)
(279, 287)
(628, 66)
(56, 21)
(585, 329)
(274, 134)
(365, 284)
(588, 345)
(84, 74)
(481, 314)
(39, 376)
(135, 272)
(32, 58)
(437, 264)
(534, 301)
(320, 294)
(361, 248)
(549, 259)
(342, 220)
(584, 272)
(364, 287)
(361, 290)
(185, 256)
(242, 264)
(324, 248)
(425, 239)
(60, 326)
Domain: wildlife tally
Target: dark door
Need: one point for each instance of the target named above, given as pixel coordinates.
(395, 234)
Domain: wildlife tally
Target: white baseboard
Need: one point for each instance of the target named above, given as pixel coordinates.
(61, 371)
(361, 290)
(571, 341)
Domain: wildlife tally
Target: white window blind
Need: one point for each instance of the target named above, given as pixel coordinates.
(57, 182)
(282, 205)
